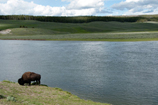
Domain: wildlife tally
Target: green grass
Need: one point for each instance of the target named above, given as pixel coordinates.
(128, 36)
(14, 94)
(99, 31)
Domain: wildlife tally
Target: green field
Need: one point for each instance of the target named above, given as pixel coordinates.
(14, 94)
(92, 31)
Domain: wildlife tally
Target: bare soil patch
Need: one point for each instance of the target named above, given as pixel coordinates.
(7, 31)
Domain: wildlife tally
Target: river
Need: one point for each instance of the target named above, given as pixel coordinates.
(120, 73)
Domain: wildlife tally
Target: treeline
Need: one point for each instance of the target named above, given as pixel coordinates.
(86, 19)
(75, 19)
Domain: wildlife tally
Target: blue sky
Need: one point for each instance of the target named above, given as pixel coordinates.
(78, 7)
(53, 3)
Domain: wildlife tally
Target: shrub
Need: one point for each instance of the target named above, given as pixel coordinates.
(11, 98)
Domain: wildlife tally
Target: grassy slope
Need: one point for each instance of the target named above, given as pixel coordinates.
(79, 31)
(38, 95)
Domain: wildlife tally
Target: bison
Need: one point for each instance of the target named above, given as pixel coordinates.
(27, 77)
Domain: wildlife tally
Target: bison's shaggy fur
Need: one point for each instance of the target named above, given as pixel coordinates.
(27, 77)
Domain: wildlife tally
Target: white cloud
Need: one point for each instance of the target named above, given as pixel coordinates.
(85, 7)
(132, 0)
(15, 7)
(85, 4)
(74, 8)
(138, 7)
(29, 8)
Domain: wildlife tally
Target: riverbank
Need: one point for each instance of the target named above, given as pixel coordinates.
(13, 94)
(120, 36)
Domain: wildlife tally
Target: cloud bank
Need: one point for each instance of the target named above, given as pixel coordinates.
(137, 7)
(79, 8)
(74, 8)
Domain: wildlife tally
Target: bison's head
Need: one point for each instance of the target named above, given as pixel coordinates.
(20, 81)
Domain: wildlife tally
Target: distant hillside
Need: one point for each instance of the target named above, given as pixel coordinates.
(82, 19)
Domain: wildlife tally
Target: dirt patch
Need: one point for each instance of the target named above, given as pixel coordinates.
(7, 31)
(154, 22)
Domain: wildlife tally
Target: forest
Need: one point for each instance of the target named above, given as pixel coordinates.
(81, 19)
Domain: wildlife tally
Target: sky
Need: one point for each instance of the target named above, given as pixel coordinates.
(78, 7)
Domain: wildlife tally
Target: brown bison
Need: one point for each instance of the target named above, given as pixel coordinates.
(27, 77)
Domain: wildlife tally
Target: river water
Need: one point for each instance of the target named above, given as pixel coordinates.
(120, 73)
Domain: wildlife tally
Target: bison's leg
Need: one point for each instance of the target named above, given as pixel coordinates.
(29, 83)
(39, 82)
(36, 82)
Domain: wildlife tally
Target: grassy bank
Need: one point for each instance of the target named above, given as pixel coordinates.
(128, 36)
(14, 94)
(93, 31)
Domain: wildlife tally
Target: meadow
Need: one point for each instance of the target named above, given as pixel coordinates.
(91, 31)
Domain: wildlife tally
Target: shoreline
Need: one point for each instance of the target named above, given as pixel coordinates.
(106, 40)
(110, 36)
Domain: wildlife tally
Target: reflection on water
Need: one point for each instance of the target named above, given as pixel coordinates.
(120, 73)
